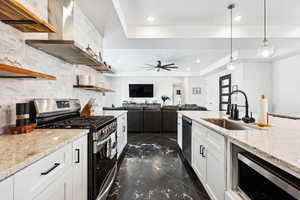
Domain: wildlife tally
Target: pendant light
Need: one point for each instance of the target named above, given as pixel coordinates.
(266, 50)
(231, 64)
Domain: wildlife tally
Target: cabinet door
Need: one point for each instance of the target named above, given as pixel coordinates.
(216, 165)
(179, 131)
(80, 169)
(58, 190)
(199, 159)
(6, 189)
(120, 135)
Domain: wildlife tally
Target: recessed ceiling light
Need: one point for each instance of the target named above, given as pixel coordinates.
(198, 61)
(188, 69)
(150, 19)
(238, 18)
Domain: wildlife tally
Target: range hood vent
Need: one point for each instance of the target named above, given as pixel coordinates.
(62, 44)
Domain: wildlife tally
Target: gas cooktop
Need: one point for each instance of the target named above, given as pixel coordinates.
(79, 123)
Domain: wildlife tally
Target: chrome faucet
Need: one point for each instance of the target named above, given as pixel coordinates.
(245, 119)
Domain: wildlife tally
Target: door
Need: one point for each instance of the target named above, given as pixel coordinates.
(121, 134)
(215, 156)
(6, 189)
(225, 90)
(80, 169)
(199, 152)
(61, 189)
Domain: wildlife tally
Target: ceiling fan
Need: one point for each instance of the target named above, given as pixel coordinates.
(160, 66)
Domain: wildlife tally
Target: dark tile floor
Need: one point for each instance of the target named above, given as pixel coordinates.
(153, 169)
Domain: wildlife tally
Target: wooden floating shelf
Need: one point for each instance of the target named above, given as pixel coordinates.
(102, 68)
(93, 88)
(7, 71)
(19, 17)
(70, 52)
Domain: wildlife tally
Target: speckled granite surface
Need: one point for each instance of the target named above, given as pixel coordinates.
(20, 151)
(279, 145)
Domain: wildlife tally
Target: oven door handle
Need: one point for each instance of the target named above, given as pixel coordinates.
(104, 194)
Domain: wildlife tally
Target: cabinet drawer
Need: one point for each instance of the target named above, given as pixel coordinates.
(33, 179)
(215, 141)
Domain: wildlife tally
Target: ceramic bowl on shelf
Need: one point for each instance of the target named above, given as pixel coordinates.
(83, 80)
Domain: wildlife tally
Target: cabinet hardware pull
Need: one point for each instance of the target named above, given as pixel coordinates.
(124, 129)
(51, 169)
(203, 150)
(78, 155)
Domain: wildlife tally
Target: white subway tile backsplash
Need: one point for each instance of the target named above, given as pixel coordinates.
(14, 51)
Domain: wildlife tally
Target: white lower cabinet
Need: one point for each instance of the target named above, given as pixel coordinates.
(122, 133)
(61, 189)
(208, 153)
(62, 175)
(7, 189)
(80, 169)
(179, 131)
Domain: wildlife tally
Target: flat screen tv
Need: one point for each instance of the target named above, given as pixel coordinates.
(141, 90)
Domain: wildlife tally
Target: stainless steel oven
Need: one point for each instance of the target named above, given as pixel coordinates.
(260, 180)
(103, 165)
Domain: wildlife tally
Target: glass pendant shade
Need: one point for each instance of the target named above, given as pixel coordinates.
(266, 50)
(231, 65)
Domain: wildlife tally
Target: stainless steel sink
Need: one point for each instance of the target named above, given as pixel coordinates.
(229, 125)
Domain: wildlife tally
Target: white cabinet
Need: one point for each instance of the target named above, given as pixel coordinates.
(179, 131)
(62, 175)
(32, 180)
(61, 189)
(7, 189)
(208, 153)
(122, 133)
(198, 151)
(80, 169)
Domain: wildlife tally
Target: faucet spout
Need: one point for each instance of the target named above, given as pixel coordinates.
(246, 119)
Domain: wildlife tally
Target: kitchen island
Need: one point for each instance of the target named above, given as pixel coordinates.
(276, 145)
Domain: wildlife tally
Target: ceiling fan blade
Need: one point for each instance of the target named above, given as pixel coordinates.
(173, 67)
(168, 65)
(150, 65)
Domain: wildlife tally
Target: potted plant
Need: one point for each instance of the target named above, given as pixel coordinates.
(165, 98)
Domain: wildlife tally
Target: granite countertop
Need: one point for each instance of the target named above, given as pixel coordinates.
(115, 113)
(20, 151)
(279, 145)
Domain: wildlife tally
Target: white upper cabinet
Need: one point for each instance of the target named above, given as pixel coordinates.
(7, 189)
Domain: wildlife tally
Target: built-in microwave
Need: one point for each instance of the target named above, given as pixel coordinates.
(260, 180)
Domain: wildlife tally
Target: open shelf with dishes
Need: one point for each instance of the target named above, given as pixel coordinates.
(93, 88)
(69, 51)
(16, 15)
(8, 71)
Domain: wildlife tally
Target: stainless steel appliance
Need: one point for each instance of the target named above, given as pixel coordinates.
(187, 139)
(102, 139)
(260, 180)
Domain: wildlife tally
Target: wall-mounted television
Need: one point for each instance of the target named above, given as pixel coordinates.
(141, 90)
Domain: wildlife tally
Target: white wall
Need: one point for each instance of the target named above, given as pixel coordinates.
(192, 82)
(286, 83)
(162, 86)
(253, 78)
(14, 51)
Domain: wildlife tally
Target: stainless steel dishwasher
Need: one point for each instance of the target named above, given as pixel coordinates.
(187, 138)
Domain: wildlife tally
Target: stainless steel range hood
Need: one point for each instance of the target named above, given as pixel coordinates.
(62, 43)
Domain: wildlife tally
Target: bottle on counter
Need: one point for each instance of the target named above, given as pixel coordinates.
(263, 110)
(22, 116)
